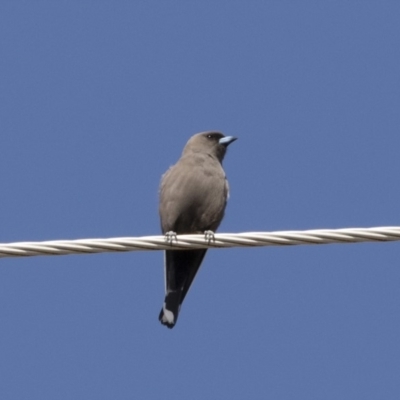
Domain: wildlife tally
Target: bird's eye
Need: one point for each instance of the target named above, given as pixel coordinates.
(215, 136)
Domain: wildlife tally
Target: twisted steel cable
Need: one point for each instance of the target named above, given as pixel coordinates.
(185, 242)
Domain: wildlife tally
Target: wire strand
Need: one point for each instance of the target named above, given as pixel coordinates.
(185, 242)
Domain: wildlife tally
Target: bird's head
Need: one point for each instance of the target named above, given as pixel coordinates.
(211, 142)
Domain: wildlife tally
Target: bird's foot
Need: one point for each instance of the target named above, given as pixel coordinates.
(209, 236)
(170, 237)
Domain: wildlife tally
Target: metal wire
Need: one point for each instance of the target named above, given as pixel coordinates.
(185, 242)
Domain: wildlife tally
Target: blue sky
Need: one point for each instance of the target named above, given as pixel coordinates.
(97, 100)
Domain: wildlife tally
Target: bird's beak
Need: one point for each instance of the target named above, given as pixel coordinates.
(227, 140)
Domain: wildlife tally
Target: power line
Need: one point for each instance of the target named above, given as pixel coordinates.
(185, 242)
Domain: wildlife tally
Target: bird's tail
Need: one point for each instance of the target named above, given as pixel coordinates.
(170, 310)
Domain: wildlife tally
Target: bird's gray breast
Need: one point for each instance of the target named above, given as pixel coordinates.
(193, 195)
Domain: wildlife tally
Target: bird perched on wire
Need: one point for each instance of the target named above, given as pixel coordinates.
(193, 196)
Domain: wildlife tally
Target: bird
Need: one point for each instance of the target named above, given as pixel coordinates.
(193, 195)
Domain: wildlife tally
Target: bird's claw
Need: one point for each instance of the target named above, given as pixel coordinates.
(170, 237)
(209, 236)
